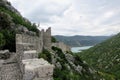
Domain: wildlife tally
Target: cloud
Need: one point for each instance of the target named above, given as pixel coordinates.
(41, 10)
(73, 17)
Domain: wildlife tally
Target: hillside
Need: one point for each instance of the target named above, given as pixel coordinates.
(69, 66)
(76, 41)
(105, 57)
(12, 22)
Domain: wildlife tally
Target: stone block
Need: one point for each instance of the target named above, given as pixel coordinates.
(37, 68)
(30, 54)
(5, 54)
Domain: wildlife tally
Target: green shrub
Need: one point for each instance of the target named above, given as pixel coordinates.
(5, 21)
(9, 38)
(66, 75)
(58, 51)
(46, 55)
(2, 41)
(53, 39)
(17, 19)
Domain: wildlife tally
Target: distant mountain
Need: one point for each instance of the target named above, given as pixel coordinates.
(78, 40)
(105, 57)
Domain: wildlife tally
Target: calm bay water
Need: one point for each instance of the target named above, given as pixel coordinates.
(79, 49)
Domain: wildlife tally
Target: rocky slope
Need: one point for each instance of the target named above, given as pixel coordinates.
(105, 57)
(69, 66)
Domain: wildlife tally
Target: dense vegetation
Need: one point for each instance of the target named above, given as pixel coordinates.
(105, 57)
(76, 41)
(7, 35)
(9, 21)
(45, 55)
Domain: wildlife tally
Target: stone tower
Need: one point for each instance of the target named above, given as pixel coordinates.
(40, 41)
(47, 39)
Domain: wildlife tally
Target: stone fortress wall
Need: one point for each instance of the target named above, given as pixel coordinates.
(30, 44)
(24, 64)
(41, 41)
(62, 46)
(38, 42)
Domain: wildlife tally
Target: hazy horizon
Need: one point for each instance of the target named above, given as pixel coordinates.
(85, 35)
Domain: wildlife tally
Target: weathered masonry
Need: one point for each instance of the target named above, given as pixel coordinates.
(36, 42)
(24, 63)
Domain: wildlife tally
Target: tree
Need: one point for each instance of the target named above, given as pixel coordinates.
(5, 21)
(2, 41)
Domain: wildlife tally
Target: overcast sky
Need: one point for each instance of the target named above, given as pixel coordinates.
(73, 17)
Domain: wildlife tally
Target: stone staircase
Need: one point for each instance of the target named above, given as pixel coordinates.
(30, 54)
(35, 69)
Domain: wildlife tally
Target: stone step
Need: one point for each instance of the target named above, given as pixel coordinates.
(30, 54)
(37, 68)
(11, 71)
(30, 51)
